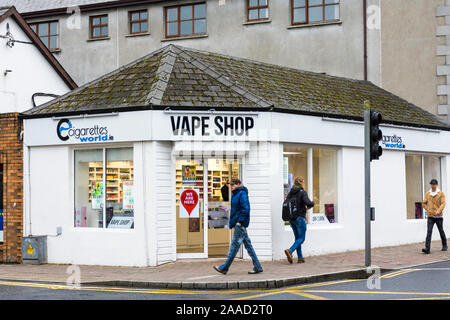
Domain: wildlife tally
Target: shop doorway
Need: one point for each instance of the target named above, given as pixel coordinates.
(203, 207)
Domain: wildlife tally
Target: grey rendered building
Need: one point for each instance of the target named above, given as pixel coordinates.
(399, 45)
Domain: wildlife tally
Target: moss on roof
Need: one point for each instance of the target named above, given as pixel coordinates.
(176, 76)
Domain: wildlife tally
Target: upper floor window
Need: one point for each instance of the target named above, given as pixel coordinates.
(258, 10)
(138, 21)
(314, 11)
(99, 26)
(48, 33)
(185, 20)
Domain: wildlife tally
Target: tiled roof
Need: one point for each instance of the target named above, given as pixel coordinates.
(38, 5)
(180, 77)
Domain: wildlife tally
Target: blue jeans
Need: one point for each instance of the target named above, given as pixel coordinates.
(240, 235)
(299, 228)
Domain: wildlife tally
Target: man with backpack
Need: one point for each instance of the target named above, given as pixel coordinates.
(294, 211)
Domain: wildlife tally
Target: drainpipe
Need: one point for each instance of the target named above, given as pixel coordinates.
(365, 37)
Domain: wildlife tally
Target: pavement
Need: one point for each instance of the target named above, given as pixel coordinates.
(199, 274)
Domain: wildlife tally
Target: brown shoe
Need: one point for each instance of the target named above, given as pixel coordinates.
(301, 260)
(288, 255)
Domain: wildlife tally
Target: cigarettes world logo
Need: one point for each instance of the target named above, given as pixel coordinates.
(393, 142)
(66, 130)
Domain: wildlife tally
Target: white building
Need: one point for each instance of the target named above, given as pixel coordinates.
(29, 75)
(109, 161)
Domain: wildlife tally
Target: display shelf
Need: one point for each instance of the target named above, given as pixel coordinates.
(115, 174)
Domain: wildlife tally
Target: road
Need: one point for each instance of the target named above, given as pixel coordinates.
(426, 282)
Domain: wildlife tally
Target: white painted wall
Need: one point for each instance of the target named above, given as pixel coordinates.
(163, 191)
(31, 73)
(257, 175)
(51, 204)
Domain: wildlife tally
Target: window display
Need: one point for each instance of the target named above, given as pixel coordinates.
(318, 167)
(419, 172)
(104, 191)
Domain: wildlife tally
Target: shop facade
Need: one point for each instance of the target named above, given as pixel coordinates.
(144, 185)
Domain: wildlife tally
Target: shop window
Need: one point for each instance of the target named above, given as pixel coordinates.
(95, 203)
(257, 10)
(48, 33)
(99, 26)
(314, 11)
(419, 172)
(318, 168)
(138, 21)
(186, 20)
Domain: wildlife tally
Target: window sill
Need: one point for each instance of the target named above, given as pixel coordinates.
(98, 39)
(423, 220)
(131, 35)
(102, 230)
(185, 38)
(249, 23)
(331, 226)
(55, 50)
(296, 26)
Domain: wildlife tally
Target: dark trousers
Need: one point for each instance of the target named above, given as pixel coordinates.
(430, 225)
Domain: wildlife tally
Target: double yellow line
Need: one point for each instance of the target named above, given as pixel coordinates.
(397, 273)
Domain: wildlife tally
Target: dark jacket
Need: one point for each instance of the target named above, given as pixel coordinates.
(303, 201)
(240, 207)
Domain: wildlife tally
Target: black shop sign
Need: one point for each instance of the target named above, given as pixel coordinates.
(211, 125)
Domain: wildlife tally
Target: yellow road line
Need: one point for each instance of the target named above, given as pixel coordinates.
(379, 292)
(395, 274)
(135, 290)
(260, 295)
(427, 298)
(308, 295)
(324, 284)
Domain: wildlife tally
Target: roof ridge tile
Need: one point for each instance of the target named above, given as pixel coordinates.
(222, 79)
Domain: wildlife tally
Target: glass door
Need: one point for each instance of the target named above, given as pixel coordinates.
(220, 173)
(190, 208)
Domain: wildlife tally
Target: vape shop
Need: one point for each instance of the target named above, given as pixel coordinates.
(127, 173)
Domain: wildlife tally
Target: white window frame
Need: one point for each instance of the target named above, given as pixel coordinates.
(310, 173)
(424, 191)
(103, 148)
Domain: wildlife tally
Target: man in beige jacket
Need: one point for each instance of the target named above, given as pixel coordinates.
(434, 203)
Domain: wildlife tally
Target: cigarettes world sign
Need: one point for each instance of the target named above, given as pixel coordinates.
(66, 130)
(393, 142)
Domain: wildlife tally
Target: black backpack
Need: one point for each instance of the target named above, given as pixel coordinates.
(290, 209)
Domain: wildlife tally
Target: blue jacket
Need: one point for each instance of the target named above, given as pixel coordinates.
(240, 207)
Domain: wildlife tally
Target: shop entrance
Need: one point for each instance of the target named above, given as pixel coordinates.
(203, 207)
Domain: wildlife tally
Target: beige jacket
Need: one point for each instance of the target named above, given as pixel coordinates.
(434, 205)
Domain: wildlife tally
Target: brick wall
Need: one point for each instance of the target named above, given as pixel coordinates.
(11, 156)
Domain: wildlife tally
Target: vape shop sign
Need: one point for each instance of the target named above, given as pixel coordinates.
(189, 203)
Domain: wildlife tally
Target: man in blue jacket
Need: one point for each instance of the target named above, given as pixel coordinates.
(240, 219)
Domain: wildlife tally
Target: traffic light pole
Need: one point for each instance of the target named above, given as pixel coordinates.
(367, 180)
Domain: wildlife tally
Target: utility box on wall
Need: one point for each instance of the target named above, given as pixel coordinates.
(34, 250)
